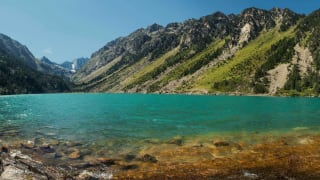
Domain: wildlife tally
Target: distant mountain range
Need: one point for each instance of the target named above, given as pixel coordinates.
(21, 72)
(66, 69)
(75, 65)
(258, 51)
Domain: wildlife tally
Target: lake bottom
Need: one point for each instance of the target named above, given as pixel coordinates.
(286, 154)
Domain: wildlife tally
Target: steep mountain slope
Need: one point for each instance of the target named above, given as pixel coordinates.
(19, 71)
(15, 49)
(256, 51)
(18, 78)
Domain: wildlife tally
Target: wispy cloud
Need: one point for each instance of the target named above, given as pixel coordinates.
(48, 51)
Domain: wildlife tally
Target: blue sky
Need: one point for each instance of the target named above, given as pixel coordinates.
(66, 29)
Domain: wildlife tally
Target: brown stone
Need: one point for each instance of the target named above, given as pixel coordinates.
(46, 148)
(148, 158)
(176, 140)
(27, 145)
(4, 149)
(129, 167)
(129, 157)
(106, 161)
(76, 154)
(221, 143)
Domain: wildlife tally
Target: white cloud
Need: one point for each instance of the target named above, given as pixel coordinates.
(48, 51)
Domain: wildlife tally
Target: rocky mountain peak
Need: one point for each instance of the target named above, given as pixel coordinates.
(154, 27)
(44, 59)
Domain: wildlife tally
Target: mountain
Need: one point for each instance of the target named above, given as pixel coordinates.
(55, 69)
(20, 72)
(75, 65)
(67, 65)
(79, 63)
(14, 49)
(255, 52)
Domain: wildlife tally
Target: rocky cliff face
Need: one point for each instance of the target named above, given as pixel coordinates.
(216, 53)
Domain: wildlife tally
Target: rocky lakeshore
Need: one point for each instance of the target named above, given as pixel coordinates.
(284, 157)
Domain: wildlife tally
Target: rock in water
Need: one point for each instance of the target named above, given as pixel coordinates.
(1, 167)
(176, 140)
(221, 143)
(129, 157)
(148, 158)
(46, 149)
(129, 167)
(107, 161)
(27, 145)
(76, 154)
(4, 149)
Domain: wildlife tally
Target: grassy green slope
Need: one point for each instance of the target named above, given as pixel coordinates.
(235, 74)
(191, 65)
(140, 76)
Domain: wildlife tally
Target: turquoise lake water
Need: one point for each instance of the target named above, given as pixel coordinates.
(90, 118)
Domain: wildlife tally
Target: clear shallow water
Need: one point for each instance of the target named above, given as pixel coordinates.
(124, 117)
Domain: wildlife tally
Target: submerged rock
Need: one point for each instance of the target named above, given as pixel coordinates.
(152, 141)
(305, 141)
(85, 165)
(129, 167)
(4, 149)
(76, 154)
(38, 141)
(54, 155)
(176, 140)
(107, 161)
(148, 158)
(129, 157)
(27, 145)
(73, 144)
(46, 148)
(11, 132)
(221, 143)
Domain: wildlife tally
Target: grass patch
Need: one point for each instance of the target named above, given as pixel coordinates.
(236, 72)
(141, 76)
(196, 62)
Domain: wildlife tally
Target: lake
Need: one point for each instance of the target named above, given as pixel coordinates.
(115, 125)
